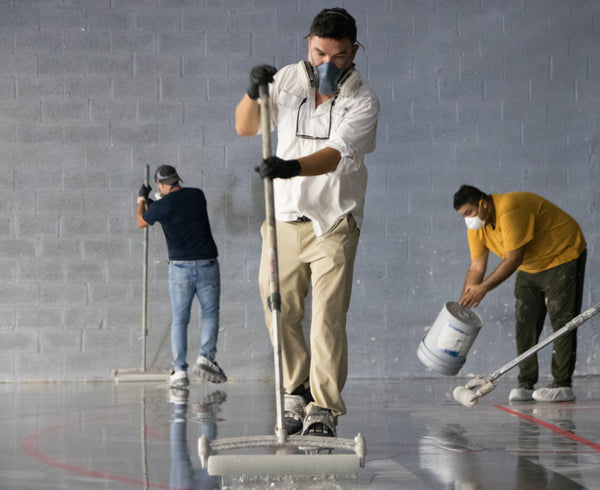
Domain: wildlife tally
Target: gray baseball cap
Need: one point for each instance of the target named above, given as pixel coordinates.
(166, 174)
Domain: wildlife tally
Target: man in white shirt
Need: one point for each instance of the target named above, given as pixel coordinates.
(326, 118)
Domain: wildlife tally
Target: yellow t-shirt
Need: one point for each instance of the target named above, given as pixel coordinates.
(550, 236)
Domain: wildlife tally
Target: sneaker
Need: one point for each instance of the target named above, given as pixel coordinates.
(209, 407)
(178, 395)
(560, 394)
(178, 378)
(209, 370)
(520, 395)
(294, 412)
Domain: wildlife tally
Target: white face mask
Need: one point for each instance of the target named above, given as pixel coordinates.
(474, 223)
(157, 195)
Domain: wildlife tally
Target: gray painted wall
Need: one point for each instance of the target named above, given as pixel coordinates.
(500, 94)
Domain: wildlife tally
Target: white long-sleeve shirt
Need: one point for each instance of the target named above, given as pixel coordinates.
(347, 123)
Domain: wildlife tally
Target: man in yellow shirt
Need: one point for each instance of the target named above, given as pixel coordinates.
(547, 249)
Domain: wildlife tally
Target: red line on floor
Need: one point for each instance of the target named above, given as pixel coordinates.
(29, 447)
(552, 427)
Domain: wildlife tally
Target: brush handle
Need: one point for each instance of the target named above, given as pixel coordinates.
(569, 326)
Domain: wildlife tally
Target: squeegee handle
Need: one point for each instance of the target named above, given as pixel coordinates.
(271, 236)
(145, 281)
(569, 326)
(265, 126)
(265, 120)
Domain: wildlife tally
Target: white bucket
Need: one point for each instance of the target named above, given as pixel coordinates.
(445, 347)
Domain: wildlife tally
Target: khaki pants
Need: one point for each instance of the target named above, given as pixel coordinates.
(327, 264)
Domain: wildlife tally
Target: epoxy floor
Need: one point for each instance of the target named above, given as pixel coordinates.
(139, 435)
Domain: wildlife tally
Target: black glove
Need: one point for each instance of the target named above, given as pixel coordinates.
(260, 75)
(276, 168)
(144, 191)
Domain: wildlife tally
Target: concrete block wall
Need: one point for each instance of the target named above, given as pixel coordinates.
(499, 94)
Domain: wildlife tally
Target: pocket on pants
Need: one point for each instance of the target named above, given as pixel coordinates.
(179, 272)
(345, 225)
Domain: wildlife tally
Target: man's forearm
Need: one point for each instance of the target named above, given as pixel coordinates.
(473, 277)
(247, 116)
(500, 274)
(141, 208)
(320, 162)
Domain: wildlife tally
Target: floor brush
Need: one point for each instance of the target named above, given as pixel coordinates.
(480, 386)
(293, 455)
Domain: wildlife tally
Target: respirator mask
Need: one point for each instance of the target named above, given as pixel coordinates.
(328, 78)
(475, 222)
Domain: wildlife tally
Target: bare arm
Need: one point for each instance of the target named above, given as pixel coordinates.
(473, 278)
(141, 207)
(505, 268)
(247, 116)
(476, 287)
(320, 162)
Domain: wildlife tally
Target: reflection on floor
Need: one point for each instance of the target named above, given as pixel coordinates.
(141, 435)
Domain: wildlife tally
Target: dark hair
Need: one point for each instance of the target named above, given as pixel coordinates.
(467, 194)
(334, 23)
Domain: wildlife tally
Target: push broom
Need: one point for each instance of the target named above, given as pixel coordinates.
(480, 386)
(143, 373)
(286, 461)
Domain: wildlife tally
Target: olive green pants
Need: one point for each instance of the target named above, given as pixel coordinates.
(558, 292)
(326, 263)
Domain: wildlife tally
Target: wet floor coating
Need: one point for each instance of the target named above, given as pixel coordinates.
(141, 435)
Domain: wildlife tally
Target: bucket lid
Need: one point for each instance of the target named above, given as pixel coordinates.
(464, 314)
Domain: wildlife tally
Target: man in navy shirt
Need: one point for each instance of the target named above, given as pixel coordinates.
(193, 269)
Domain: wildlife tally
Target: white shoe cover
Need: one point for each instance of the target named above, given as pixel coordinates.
(561, 394)
(520, 395)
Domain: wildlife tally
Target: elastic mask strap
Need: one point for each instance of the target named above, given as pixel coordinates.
(349, 83)
(309, 74)
(479, 209)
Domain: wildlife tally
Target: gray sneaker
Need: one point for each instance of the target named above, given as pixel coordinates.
(552, 395)
(179, 395)
(520, 395)
(178, 379)
(209, 370)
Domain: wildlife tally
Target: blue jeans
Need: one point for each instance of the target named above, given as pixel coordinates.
(189, 278)
(183, 474)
